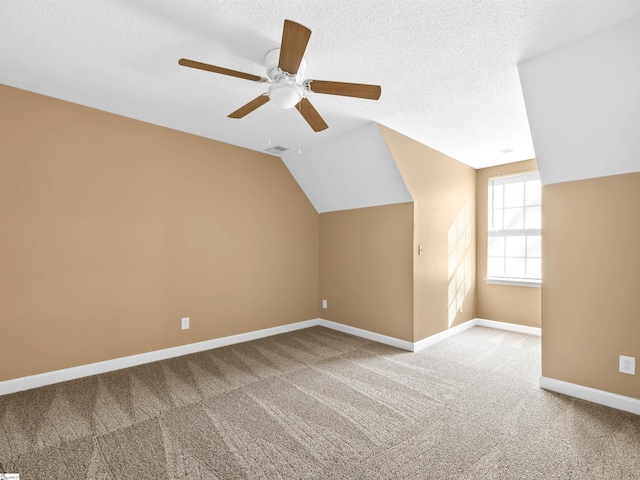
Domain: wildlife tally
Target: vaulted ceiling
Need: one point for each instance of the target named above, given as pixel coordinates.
(448, 68)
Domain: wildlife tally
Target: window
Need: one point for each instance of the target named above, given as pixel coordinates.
(514, 254)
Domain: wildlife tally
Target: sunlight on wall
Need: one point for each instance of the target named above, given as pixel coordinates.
(459, 261)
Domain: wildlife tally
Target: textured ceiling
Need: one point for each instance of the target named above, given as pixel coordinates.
(447, 68)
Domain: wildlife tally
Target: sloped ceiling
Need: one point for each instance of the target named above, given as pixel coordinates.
(583, 101)
(447, 68)
(352, 170)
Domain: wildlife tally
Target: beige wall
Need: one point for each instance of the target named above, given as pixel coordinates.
(441, 188)
(113, 229)
(503, 303)
(591, 289)
(366, 268)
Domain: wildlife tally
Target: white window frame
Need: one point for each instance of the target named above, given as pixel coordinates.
(505, 179)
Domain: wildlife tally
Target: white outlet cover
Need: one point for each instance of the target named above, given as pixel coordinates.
(627, 365)
(185, 323)
(324, 304)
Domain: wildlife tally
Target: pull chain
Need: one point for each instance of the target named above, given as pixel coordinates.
(299, 123)
(269, 122)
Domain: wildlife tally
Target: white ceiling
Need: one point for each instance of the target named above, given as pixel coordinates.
(448, 69)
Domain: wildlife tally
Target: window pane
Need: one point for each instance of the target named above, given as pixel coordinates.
(514, 194)
(533, 217)
(533, 192)
(495, 196)
(516, 246)
(515, 214)
(495, 219)
(496, 246)
(514, 267)
(513, 219)
(533, 246)
(495, 267)
(534, 268)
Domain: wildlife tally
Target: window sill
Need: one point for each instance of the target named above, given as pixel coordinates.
(516, 282)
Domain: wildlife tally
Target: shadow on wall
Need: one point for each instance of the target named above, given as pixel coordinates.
(459, 272)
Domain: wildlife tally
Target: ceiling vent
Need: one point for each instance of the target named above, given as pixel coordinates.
(276, 149)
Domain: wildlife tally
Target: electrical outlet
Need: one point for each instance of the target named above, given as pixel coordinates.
(324, 304)
(627, 365)
(185, 323)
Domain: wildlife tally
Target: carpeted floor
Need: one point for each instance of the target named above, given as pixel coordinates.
(321, 404)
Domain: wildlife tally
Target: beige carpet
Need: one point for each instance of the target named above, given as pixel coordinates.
(320, 404)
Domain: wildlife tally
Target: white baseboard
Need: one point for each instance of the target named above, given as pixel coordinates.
(57, 376)
(438, 337)
(480, 322)
(601, 397)
(613, 400)
(512, 327)
(376, 337)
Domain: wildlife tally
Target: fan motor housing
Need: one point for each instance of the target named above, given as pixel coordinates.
(271, 60)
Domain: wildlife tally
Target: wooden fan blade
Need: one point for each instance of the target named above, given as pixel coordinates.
(311, 115)
(294, 42)
(359, 90)
(250, 107)
(224, 71)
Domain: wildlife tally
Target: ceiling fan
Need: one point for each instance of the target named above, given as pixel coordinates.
(285, 70)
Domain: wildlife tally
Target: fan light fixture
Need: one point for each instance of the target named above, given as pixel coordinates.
(285, 75)
(284, 95)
